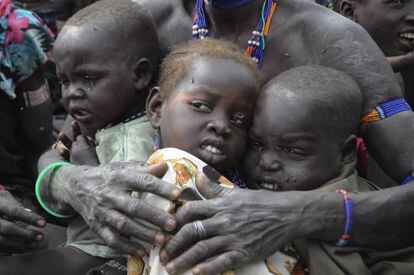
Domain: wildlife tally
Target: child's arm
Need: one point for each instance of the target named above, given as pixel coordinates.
(402, 62)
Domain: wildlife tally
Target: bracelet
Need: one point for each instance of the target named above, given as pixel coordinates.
(385, 110)
(407, 179)
(55, 166)
(343, 241)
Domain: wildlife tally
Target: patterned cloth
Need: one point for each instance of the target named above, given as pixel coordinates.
(182, 170)
(24, 43)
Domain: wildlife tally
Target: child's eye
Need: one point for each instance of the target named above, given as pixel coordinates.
(201, 107)
(397, 2)
(294, 153)
(238, 119)
(90, 80)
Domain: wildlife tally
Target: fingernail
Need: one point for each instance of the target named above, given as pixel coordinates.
(41, 223)
(170, 224)
(196, 271)
(175, 194)
(170, 268)
(159, 239)
(141, 253)
(163, 257)
(39, 237)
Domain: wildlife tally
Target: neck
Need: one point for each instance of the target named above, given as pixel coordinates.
(138, 108)
(234, 20)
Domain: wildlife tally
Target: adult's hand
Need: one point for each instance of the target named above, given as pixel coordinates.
(14, 238)
(102, 196)
(239, 226)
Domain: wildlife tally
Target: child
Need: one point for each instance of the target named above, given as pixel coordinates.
(203, 106)
(303, 138)
(106, 56)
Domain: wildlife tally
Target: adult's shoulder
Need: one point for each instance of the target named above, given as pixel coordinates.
(162, 9)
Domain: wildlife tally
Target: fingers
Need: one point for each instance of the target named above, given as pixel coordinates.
(120, 243)
(13, 231)
(65, 140)
(144, 181)
(183, 239)
(11, 208)
(195, 210)
(199, 252)
(206, 187)
(135, 207)
(157, 170)
(222, 263)
(10, 245)
(128, 227)
(75, 129)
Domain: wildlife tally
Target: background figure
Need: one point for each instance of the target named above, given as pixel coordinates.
(25, 117)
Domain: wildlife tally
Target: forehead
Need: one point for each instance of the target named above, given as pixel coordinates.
(220, 77)
(281, 111)
(86, 43)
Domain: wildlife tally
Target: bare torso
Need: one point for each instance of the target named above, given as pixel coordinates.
(301, 33)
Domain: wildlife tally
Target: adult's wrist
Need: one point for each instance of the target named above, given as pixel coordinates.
(55, 190)
(326, 215)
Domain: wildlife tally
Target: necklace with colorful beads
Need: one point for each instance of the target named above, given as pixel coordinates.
(257, 43)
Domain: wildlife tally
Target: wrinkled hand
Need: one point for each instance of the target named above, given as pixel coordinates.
(102, 196)
(14, 238)
(240, 225)
(83, 152)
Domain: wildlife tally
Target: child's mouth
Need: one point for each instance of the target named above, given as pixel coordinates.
(212, 152)
(80, 114)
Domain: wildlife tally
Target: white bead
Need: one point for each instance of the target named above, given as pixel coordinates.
(195, 27)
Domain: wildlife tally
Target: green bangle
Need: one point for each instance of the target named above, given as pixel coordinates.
(55, 166)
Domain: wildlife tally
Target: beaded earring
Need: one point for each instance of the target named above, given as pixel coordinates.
(157, 142)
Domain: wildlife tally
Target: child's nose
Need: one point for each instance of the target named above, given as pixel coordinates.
(269, 161)
(221, 126)
(74, 92)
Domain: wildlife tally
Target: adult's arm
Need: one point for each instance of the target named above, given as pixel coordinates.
(102, 196)
(353, 51)
(242, 225)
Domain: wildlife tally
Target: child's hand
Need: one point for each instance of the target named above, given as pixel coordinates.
(83, 152)
(64, 144)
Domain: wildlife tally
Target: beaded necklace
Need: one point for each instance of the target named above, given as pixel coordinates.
(257, 43)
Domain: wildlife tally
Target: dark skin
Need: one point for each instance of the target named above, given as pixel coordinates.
(301, 33)
(102, 87)
(217, 95)
(290, 147)
(36, 127)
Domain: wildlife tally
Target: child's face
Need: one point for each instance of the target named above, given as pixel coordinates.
(208, 113)
(389, 22)
(287, 149)
(97, 88)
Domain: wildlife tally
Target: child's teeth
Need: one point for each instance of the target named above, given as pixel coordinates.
(213, 149)
(270, 186)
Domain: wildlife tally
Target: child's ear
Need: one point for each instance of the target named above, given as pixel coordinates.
(143, 73)
(347, 9)
(349, 150)
(153, 106)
